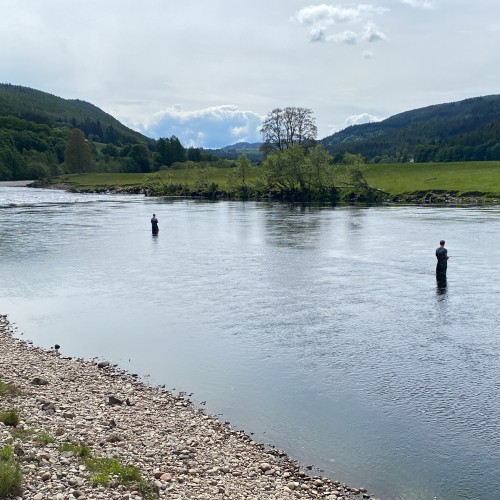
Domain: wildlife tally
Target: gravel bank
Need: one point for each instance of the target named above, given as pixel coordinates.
(180, 451)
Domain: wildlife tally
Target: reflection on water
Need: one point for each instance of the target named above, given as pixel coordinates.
(441, 287)
(323, 331)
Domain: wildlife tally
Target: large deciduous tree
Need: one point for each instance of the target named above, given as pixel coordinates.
(77, 156)
(283, 128)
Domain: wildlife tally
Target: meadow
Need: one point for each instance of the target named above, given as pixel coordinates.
(465, 178)
(480, 180)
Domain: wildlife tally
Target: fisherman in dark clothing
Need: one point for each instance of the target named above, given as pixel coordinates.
(442, 261)
(154, 224)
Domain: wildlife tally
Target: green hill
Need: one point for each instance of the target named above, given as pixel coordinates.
(35, 128)
(467, 130)
(47, 109)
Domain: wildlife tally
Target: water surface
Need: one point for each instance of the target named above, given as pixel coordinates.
(320, 330)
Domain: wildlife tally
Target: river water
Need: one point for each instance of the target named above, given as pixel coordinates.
(319, 330)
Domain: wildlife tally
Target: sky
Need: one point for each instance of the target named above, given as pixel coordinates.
(208, 71)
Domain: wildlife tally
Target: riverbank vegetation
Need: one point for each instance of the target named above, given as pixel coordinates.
(10, 471)
(355, 181)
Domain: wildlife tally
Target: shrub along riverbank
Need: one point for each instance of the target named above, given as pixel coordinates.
(467, 182)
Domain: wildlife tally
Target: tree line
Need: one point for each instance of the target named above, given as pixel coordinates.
(30, 150)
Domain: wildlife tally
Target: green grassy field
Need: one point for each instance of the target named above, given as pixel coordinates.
(462, 178)
(190, 177)
(94, 180)
(478, 179)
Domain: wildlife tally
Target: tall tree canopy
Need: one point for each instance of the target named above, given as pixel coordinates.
(77, 155)
(169, 151)
(283, 128)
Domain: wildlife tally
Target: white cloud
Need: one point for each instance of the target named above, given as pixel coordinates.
(320, 17)
(212, 127)
(426, 4)
(360, 119)
(329, 14)
(349, 37)
(317, 34)
(372, 34)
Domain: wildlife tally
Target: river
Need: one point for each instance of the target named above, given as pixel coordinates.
(321, 331)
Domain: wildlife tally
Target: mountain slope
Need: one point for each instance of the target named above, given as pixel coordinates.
(44, 108)
(457, 131)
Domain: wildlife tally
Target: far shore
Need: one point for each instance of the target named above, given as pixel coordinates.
(67, 405)
(130, 184)
(15, 183)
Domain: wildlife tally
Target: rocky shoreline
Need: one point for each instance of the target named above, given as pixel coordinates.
(75, 413)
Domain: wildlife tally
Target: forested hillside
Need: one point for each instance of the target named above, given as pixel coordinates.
(43, 108)
(37, 139)
(467, 130)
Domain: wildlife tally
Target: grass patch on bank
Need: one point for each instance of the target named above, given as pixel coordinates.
(467, 178)
(43, 438)
(10, 418)
(22, 434)
(81, 451)
(106, 470)
(6, 453)
(10, 473)
(7, 390)
(110, 472)
(101, 180)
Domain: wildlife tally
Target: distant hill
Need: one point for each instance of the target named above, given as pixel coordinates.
(250, 150)
(47, 109)
(467, 130)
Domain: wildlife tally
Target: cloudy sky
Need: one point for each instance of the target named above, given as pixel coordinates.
(208, 71)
